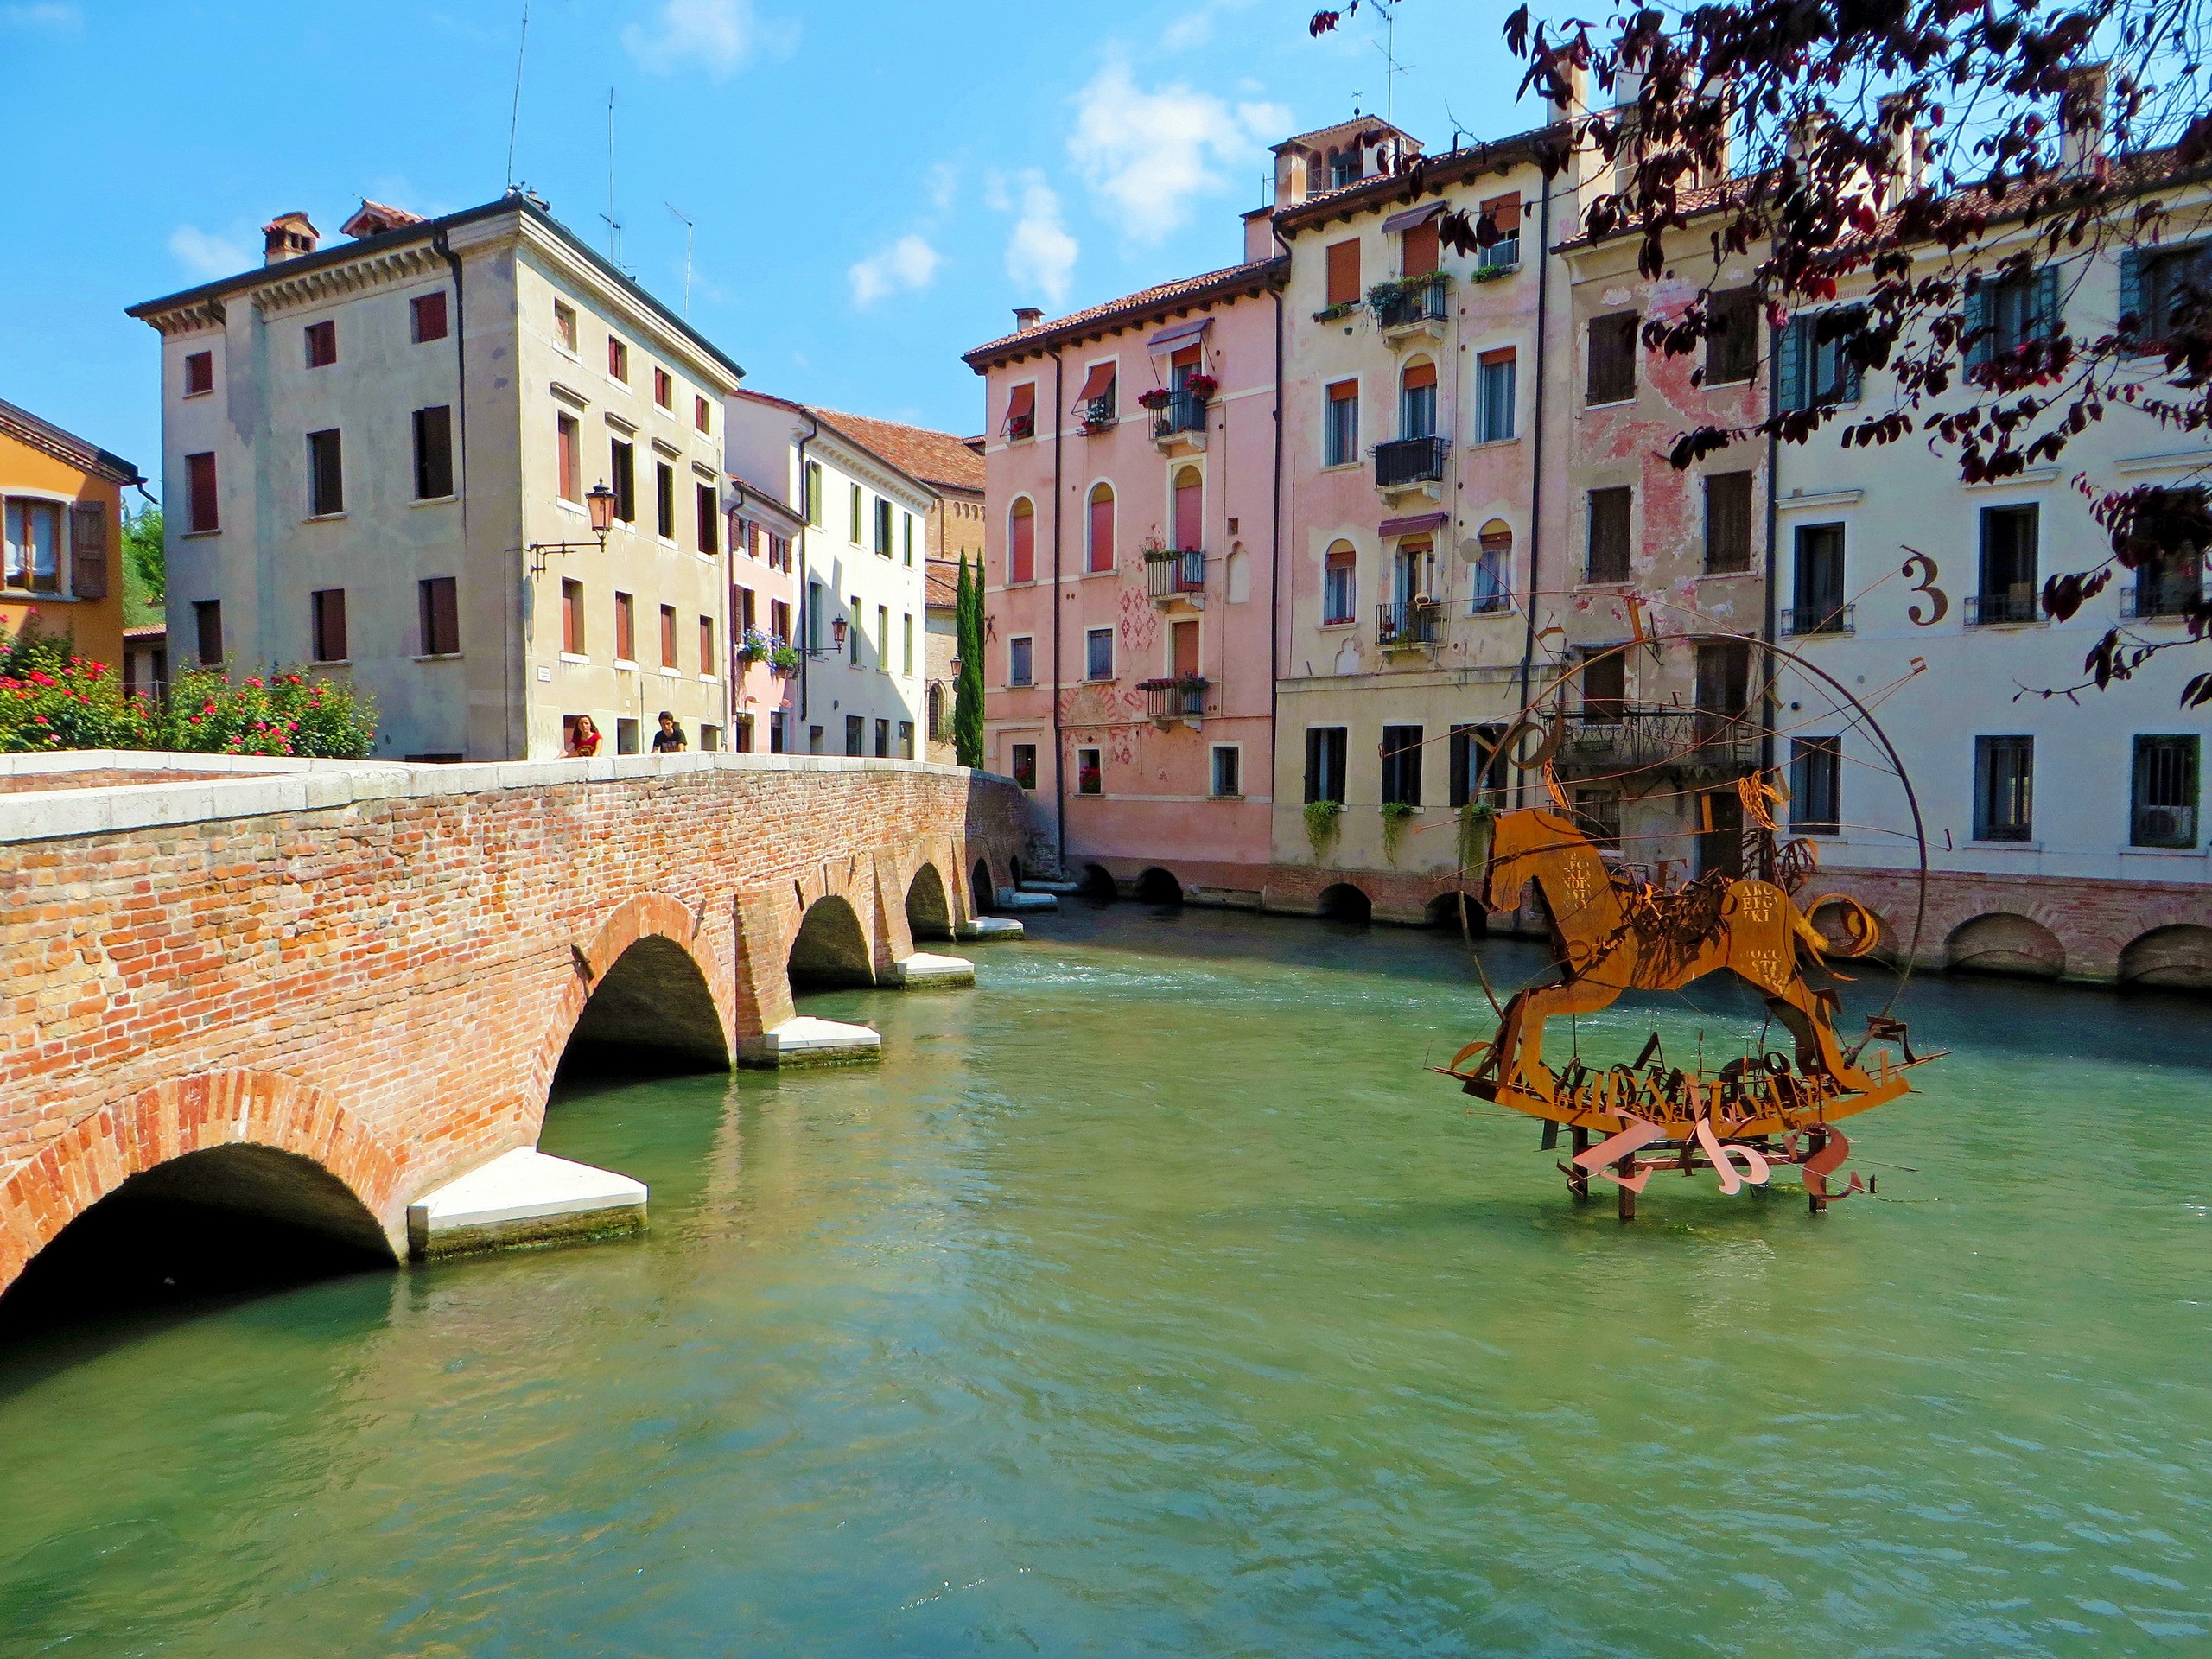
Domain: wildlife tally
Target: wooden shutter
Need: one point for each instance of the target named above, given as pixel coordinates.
(1344, 273)
(1101, 528)
(88, 550)
(1021, 544)
(1981, 337)
(1613, 359)
(1846, 365)
(199, 492)
(2043, 305)
(1421, 374)
(1421, 252)
(2131, 290)
(1790, 349)
(1190, 522)
(1183, 648)
(1608, 534)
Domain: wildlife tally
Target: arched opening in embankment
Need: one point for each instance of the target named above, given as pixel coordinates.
(2175, 958)
(1158, 886)
(224, 1220)
(1343, 902)
(1444, 913)
(651, 1011)
(2002, 943)
(1096, 882)
(928, 912)
(830, 949)
(980, 891)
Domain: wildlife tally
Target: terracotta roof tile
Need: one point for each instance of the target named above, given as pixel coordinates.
(944, 581)
(934, 457)
(27, 428)
(1131, 306)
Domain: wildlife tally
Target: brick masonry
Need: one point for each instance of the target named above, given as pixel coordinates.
(377, 969)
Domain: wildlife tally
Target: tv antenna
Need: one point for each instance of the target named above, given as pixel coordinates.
(1388, 46)
(514, 113)
(688, 228)
(614, 225)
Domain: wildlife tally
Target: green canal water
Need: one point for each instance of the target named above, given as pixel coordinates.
(1153, 1298)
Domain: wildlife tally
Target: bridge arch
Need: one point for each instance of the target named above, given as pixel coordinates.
(2004, 941)
(1096, 882)
(250, 1143)
(641, 987)
(1158, 886)
(1443, 911)
(984, 895)
(929, 907)
(1340, 901)
(831, 947)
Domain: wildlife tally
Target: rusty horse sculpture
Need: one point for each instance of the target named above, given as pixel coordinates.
(1612, 934)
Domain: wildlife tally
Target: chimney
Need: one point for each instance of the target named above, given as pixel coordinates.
(1026, 317)
(1908, 150)
(1293, 177)
(287, 237)
(2082, 115)
(1577, 97)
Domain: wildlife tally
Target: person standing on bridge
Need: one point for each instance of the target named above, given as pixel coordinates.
(583, 739)
(670, 739)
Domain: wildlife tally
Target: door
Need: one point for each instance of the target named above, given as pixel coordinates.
(1182, 645)
(1190, 510)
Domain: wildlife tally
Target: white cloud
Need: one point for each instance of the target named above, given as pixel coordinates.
(1192, 29)
(943, 185)
(716, 36)
(908, 262)
(1040, 253)
(1147, 154)
(206, 255)
(54, 17)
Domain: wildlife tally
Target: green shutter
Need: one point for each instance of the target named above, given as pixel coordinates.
(2043, 318)
(1846, 365)
(1789, 343)
(2131, 290)
(1980, 340)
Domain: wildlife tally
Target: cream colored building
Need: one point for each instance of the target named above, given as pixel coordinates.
(377, 458)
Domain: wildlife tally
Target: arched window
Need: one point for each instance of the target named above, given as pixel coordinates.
(1099, 554)
(1338, 577)
(1021, 542)
(1493, 565)
(937, 711)
(1417, 400)
(1190, 510)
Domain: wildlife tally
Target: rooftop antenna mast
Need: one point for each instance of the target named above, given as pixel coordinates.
(688, 228)
(514, 114)
(614, 225)
(1391, 67)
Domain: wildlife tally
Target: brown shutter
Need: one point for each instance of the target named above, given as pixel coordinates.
(88, 550)
(1420, 374)
(1421, 250)
(1344, 273)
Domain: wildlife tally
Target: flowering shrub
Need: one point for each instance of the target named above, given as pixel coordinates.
(80, 707)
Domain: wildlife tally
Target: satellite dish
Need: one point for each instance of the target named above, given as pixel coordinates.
(1471, 549)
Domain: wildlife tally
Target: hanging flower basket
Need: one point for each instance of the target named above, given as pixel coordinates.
(1202, 387)
(1156, 398)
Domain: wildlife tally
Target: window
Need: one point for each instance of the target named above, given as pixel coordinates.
(326, 475)
(710, 737)
(853, 639)
(853, 515)
(625, 627)
(2003, 788)
(322, 345)
(1613, 359)
(199, 493)
(1190, 510)
(88, 550)
(909, 532)
(1228, 762)
(207, 631)
(883, 638)
(564, 327)
(701, 413)
(856, 734)
(1817, 785)
(1604, 687)
(35, 546)
(433, 453)
(815, 623)
(1732, 348)
(1479, 764)
(2164, 795)
(618, 360)
(2168, 583)
(1494, 377)
(741, 602)
(779, 618)
(1343, 167)
(326, 625)
(1338, 572)
(1021, 542)
(1417, 401)
(1325, 763)
(814, 493)
(1340, 431)
(1504, 212)
(1090, 773)
(1814, 366)
(779, 735)
(1018, 653)
(426, 317)
(1025, 764)
(1094, 402)
(937, 711)
(199, 374)
(1819, 608)
(883, 740)
(906, 639)
(569, 439)
(1401, 766)
(2014, 311)
(1099, 545)
(1021, 412)
(439, 599)
(623, 457)
(1493, 560)
(906, 739)
(1727, 524)
(1342, 273)
(664, 388)
(1724, 681)
(572, 618)
(1608, 534)
(668, 636)
(882, 528)
(2008, 566)
(709, 519)
(1098, 654)
(2157, 283)
(1599, 812)
(1418, 250)
(814, 740)
(707, 647)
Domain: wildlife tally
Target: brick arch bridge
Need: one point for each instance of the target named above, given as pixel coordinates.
(327, 988)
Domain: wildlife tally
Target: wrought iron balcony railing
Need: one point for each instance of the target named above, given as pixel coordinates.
(1407, 622)
(1410, 460)
(2009, 608)
(1415, 303)
(1175, 574)
(1184, 698)
(1184, 411)
(2156, 596)
(1820, 619)
(1604, 735)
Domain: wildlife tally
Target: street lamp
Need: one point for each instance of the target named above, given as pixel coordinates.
(599, 500)
(837, 632)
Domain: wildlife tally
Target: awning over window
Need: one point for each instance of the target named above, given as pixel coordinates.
(1097, 384)
(1183, 333)
(1410, 218)
(1021, 407)
(1411, 525)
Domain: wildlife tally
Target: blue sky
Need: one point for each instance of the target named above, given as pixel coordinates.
(875, 183)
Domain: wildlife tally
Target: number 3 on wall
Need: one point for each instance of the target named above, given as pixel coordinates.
(1920, 569)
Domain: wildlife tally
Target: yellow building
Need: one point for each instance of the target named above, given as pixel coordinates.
(61, 500)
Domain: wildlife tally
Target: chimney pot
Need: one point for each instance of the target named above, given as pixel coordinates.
(2082, 115)
(1026, 317)
(288, 236)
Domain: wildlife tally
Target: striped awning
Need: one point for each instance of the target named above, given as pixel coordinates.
(1411, 525)
(1182, 334)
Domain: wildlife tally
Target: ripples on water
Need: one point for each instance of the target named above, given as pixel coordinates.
(1152, 1298)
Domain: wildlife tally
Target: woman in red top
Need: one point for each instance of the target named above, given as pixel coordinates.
(583, 739)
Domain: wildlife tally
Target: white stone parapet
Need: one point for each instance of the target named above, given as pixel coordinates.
(523, 1196)
(805, 1040)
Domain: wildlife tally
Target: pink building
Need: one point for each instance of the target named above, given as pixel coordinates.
(764, 536)
(1131, 551)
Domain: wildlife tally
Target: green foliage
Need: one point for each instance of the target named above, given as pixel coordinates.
(145, 569)
(1321, 825)
(1395, 814)
(967, 689)
(1477, 819)
(51, 699)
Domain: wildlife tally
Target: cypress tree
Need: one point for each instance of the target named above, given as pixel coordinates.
(968, 690)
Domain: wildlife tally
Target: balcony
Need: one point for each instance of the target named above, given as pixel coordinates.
(1622, 738)
(2163, 826)
(2156, 594)
(1408, 463)
(1405, 309)
(1181, 419)
(1406, 624)
(1172, 574)
(2014, 607)
(1819, 619)
(1186, 697)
